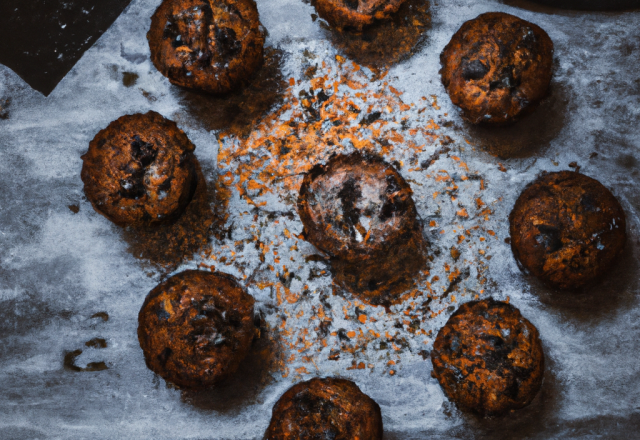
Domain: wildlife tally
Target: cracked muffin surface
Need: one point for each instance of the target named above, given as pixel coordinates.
(208, 45)
(356, 13)
(325, 409)
(488, 358)
(356, 206)
(497, 68)
(140, 170)
(567, 229)
(196, 327)
(359, 211)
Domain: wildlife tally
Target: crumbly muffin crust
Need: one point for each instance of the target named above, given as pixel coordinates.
(195, 328)
(356, 207)
(325, 409)
(497, 68)
(356, 14)
(140, 170)
(488, 358)
(208, 45)
(567, 229)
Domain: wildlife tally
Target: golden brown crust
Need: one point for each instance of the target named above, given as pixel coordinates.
(140, 170)
(208, 45)
(325, 409)
(488, 358)
(195, 328)
(497, 67)
(356, 13)
(356, 207)
(567, 229)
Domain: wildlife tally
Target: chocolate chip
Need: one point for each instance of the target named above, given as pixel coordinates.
(229, 44)
(474, 70)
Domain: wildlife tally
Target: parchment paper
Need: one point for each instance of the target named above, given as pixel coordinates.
(68, 276)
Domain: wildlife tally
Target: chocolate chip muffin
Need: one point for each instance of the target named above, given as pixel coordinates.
(208, 45)
(355, 14)
(356, 207)
(497, 68)
(567, 229)
(140, 170)
(195, 328)
(488, 358)
(358, 210)
(325, 409)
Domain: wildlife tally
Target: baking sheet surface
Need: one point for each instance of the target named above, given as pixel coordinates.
(68, 276)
